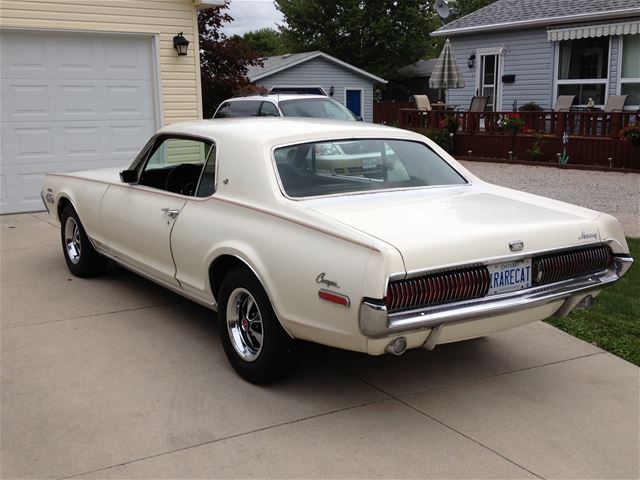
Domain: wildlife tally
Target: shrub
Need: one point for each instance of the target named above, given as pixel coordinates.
(631, 134)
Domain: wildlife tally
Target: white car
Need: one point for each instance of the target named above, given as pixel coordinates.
(410, 251)
(284, 105)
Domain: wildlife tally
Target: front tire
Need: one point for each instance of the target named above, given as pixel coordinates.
(82, 259)
(255, 343)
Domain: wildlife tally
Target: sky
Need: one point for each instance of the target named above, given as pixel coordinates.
(251, 15)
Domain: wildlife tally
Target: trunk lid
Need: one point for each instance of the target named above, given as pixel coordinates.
(451, 225)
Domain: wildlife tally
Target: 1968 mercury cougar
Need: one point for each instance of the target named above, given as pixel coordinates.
(357, 236)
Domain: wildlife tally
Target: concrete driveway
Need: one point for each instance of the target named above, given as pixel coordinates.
(117, 378)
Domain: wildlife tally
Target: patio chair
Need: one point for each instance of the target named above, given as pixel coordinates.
(478, 104)
(563, 103)
(615, 103)
(422, 103)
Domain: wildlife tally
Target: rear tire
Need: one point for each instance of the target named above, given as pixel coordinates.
(255, 343)
(82, 259)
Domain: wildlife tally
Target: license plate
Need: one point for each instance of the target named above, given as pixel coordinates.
(509, 276)
(369, 163)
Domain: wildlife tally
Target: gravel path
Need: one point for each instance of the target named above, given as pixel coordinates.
(615, 193)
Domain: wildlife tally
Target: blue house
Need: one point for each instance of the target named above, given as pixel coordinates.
(535, 50)
(317, 72)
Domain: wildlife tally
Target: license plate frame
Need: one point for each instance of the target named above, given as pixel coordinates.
(510, 276)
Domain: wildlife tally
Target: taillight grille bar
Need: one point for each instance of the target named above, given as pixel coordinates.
(557, 267)
(473, 282)
(437, 288)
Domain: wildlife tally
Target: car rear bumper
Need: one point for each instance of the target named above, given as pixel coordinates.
(376, 322)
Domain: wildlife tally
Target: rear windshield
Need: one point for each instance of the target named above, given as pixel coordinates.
(348, 166)
(316, 108)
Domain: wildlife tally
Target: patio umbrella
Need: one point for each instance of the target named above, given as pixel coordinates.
(445, 72)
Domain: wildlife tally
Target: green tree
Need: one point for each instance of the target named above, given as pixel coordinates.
(266, 42)
(378, 36)
(224, 61)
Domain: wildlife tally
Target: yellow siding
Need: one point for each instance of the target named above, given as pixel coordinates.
(179, 75)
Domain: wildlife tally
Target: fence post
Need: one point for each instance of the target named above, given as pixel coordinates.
(615, 124)
(559, 123)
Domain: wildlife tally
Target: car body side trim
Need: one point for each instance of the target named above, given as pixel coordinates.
(174, 288)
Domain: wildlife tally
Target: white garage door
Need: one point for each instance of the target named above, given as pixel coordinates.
(70, 102)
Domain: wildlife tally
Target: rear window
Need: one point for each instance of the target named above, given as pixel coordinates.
(348, 166)
(248, 108)
(316, 108)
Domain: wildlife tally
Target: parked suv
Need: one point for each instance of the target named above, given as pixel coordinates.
(284, 105)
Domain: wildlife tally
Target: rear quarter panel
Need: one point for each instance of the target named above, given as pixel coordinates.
(287, 257)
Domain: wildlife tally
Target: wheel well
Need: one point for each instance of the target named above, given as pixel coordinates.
(62, 204)
(219, 269)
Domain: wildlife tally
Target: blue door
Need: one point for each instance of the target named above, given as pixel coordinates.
(354, 101)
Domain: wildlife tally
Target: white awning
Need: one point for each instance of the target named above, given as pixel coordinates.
(587, 31)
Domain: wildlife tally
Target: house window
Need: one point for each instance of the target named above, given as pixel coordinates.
(630, 73)
(583, 69)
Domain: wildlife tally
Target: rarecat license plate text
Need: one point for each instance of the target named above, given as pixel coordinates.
(509, 276)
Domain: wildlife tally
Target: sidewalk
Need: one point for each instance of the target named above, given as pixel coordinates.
(118, 378)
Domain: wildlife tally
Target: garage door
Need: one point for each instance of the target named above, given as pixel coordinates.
(70, 102)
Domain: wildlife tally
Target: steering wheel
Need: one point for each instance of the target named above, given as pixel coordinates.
(181, 179)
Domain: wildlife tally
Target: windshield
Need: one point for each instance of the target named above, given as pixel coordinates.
(347, 166)
(316, 108)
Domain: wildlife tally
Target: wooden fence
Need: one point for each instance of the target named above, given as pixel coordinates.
(387, 112)
(593, 136)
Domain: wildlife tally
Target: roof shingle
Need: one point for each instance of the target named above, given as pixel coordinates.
(509, 13)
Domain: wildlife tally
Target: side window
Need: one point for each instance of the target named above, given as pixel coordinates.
(240, 108)
(223, 111)
(175, 165)
(268, 109)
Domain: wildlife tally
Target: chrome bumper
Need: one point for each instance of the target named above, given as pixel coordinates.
(376, 322)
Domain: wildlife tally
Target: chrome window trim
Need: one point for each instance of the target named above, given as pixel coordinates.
(375, 321)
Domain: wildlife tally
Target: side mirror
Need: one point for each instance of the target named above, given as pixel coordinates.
(128, 176)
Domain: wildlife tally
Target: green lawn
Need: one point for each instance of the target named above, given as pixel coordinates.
(613, 323)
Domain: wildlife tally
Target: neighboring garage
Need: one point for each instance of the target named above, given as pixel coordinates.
(85, 84)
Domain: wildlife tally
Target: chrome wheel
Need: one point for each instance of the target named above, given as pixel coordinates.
(244, 324)
(72, 240)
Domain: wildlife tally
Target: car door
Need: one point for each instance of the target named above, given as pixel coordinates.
(138, 219)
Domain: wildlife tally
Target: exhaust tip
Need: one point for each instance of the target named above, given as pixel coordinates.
(585, 303)
(397, 346)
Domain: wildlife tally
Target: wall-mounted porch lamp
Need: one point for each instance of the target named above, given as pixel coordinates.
(471, 61)
(332, 90)
(180, 44)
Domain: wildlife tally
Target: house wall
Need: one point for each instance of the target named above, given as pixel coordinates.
(179, 85)
(320, 72)
(529, 57)
(614, 61)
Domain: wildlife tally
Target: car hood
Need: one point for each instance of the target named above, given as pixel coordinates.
(448, 225)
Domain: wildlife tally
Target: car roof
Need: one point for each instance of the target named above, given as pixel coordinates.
(278, 130)
(277, 97)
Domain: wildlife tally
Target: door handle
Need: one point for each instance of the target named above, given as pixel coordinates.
(171, 212)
